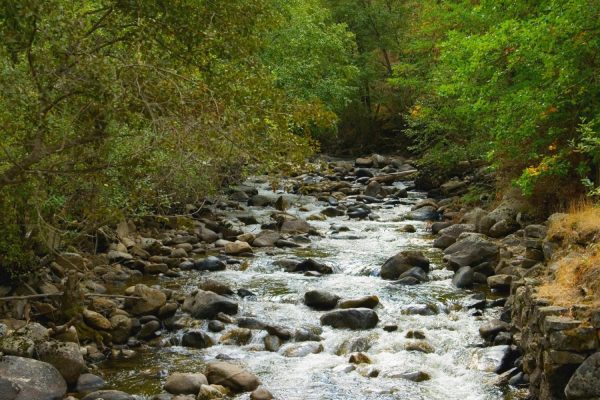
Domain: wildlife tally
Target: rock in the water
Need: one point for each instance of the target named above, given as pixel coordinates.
(149, 300)
(185, 383)
(301, 349)
(320, 299)
(352, 318)
(89, 382)
(231, 376)
(196, 339)
(359, 358)
(295, 226)
(266, 239)
(237, 247)
(361, 302)
(495, 359)
(402, 262)
(29, 379)
(108, 395)
(500, 282)
(585, 382)
(211, 263)
(210, 285)
(272, 343)
(489, 330)
(212, 392)
(463, 278)
(203, 304)
(65, 357)
(261, 393)
(427, 213)
(236, 336)
(311, 265)
(471, 249)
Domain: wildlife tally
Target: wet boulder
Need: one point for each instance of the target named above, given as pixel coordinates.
(185, 383)
(489, 330)
(321, 299)
(310, 265)
(88, 383)
(196, 339)
(426, 213)
(496, 358)
(261, 393)
(301, 349)
(211, 285)
(471, 249)
(463, 278)
(352, 318)
(402, 262)
(231, 376)
(206, 305)
(108, 395)
(28, 379)
(210, 264)
(415, 273)
(360, 302)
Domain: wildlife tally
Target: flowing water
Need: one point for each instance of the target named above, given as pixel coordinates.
(357, 255)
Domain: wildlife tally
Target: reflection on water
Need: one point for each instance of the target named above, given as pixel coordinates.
(358, 254)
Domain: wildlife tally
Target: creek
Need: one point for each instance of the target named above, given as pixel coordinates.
(453, 358)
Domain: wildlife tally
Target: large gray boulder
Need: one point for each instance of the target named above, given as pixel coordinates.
(351, 318)
(204, 305)
(471, 249)
(65, 357)
(402, 262)
(28, 379)
(449, 235)
(585, 382)
(231, 376)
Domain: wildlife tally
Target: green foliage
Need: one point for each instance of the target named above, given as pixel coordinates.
(111, 108)
(517, 78)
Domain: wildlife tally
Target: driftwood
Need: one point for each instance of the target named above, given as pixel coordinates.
(393, 177)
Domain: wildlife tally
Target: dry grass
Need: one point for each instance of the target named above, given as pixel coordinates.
(577, 279)
(581, 225)
(577, 276)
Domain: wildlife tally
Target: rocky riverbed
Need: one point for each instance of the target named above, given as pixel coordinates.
(343, 283)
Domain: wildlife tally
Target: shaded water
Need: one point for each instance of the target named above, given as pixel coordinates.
(357, 256)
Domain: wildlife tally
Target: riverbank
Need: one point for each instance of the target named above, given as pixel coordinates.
(331, 286)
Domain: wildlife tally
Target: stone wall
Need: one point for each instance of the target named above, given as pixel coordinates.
(555, 342)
